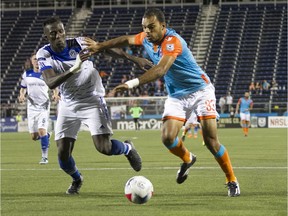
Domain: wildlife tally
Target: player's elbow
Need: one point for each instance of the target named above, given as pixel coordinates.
(51, 85)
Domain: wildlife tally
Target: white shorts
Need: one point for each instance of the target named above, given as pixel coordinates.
(245, 116)
(38, 119)
(202, 103)
(93, 114)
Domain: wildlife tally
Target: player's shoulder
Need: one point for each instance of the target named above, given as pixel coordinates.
(43, 52)
(172, 35)
(74, 42)
(172, 40)
(28, 73)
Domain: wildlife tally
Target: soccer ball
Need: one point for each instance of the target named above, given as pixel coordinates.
(138, 189)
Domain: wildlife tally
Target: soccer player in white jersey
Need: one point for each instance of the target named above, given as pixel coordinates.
(191, 124)
(188, 86)
(38, 105)
(63, 64)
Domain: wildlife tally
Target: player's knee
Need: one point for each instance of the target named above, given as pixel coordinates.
(167, 139)
(212, 144)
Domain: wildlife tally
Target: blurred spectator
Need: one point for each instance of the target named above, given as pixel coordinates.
(19, 117)
(222, 103)
(124, 78)
(158, 85)
(229, 101)
(252, 87)
(159, 93)
(274, 87)
(232, 113)
(129, 51)
(258, 88)
(145, 54)
(265, 85)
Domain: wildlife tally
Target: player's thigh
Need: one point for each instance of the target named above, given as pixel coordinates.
(244, 117)
(247, 117)
(174, 109)
(170, 130)
(67, 124)
(32, 117)
(43, 120)
(96, 120)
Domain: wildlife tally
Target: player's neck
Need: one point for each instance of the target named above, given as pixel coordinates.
(163, 36)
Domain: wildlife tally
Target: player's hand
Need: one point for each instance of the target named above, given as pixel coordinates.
(81, 57)
(120, 88)
(92, 46)
(143, 63)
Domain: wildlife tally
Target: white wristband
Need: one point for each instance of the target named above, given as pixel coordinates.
(132, 83)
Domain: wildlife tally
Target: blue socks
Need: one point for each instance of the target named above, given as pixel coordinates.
(44, 142)
(119, 147)
(70, 168)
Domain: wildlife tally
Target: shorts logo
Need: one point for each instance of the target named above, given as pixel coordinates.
(72, 53)
(170, 47)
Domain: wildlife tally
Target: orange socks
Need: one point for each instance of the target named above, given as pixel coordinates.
(178, 149)
(223, 160)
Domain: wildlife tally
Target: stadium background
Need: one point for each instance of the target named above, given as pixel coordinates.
(235, 42)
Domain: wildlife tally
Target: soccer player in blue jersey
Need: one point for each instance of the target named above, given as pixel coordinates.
(63, 63)
(189, 89)
(245, 104)
(38, 104)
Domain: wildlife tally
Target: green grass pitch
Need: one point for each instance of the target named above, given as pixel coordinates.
(260, 163)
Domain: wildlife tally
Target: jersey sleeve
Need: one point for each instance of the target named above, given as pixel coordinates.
(171, 46)
(80, 41)
(23, 83)
(139, 38)
(44, 59)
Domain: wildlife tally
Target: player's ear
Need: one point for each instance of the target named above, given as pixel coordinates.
(45, 37)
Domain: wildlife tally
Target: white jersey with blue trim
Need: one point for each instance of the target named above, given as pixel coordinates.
(37, 90)
(79, 87)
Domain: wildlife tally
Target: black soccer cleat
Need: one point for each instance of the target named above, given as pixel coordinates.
(75, 186)
(133, 157)
(183, 172)
(233, 189)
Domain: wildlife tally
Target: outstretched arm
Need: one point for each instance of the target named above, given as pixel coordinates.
(142, 63)
(95, 47)
(152, 74)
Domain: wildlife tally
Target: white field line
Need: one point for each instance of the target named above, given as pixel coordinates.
(150, 168)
